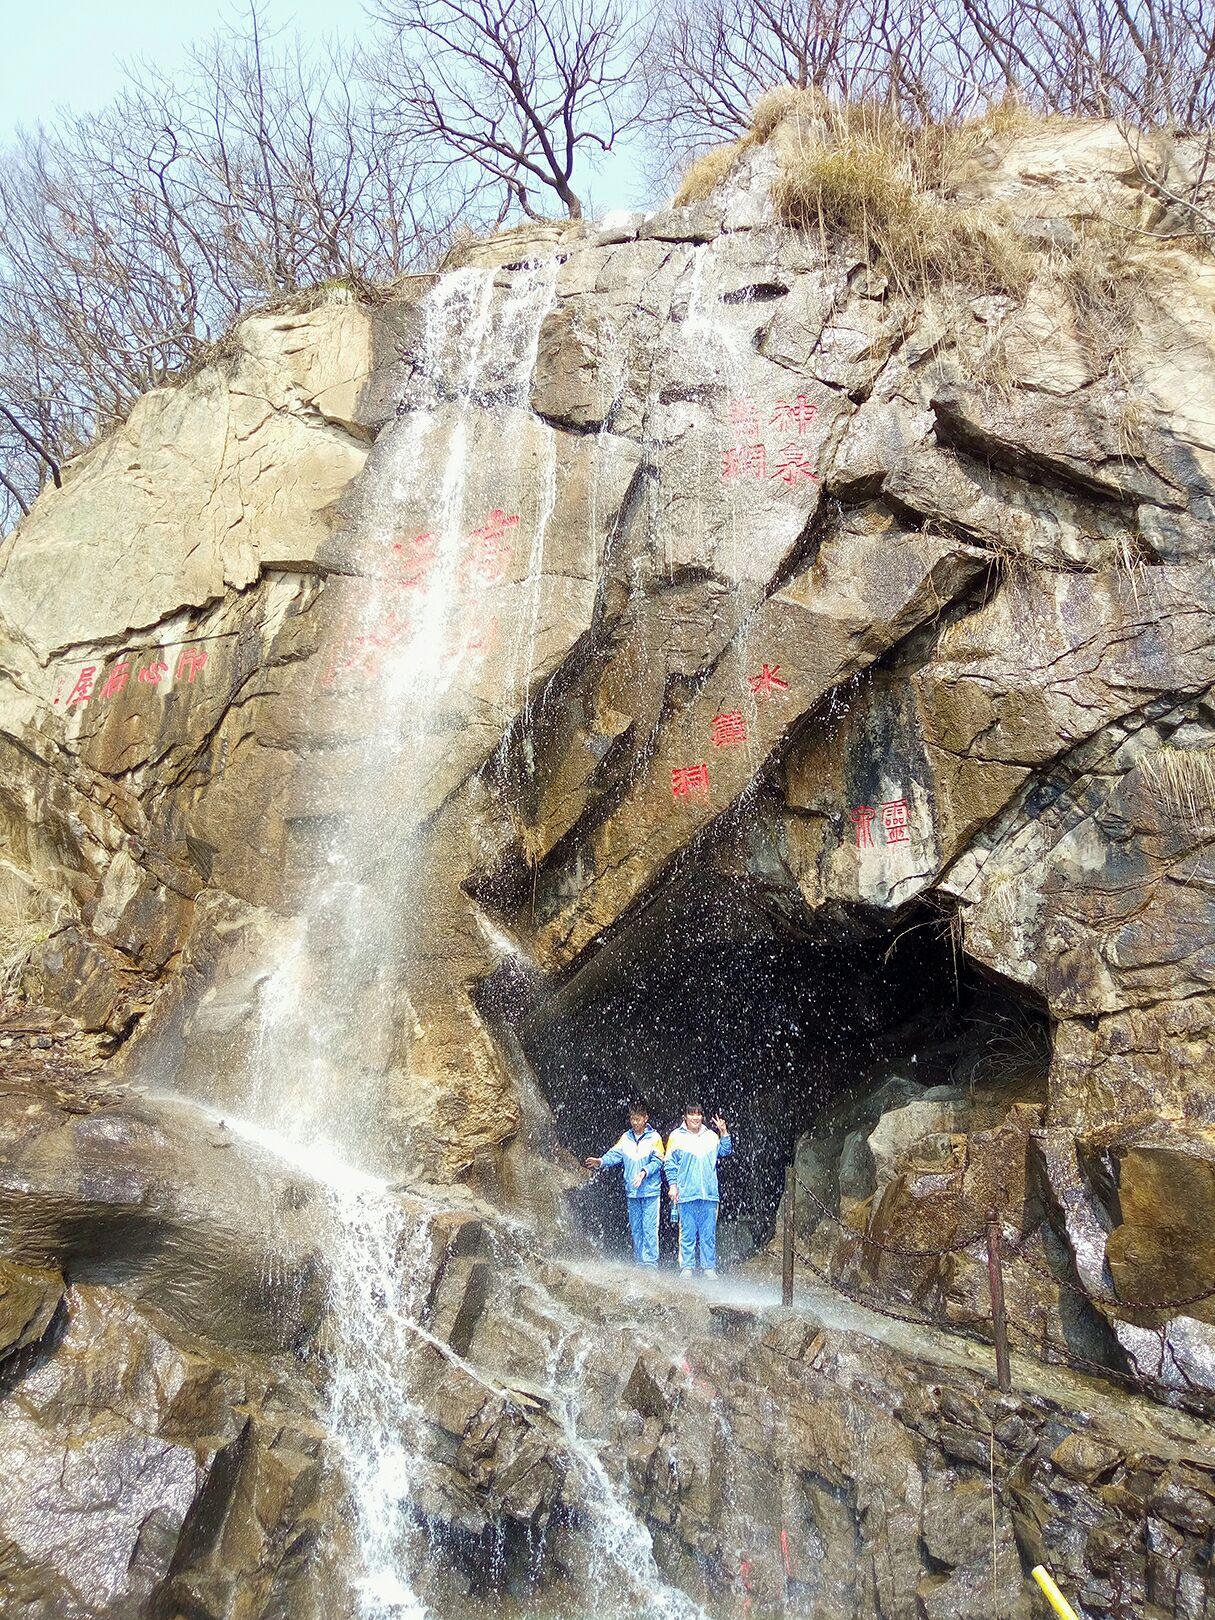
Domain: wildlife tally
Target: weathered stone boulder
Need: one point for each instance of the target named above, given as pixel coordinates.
(28, 1298)
(131, 1457)
(1160, 1250)
(185, 1212)
(237, 470)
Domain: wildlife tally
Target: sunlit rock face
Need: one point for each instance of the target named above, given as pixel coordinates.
(661, 622)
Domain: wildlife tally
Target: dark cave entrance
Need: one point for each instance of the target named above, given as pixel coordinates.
(726, 987)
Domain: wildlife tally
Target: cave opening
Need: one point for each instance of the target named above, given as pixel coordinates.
(726, 987)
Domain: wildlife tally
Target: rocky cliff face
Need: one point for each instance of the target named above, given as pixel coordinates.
(803, 622)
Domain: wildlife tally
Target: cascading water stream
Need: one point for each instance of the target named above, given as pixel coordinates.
(322, 1063)
(442, 613)
(376, 1266)
(621, 1548)
(316, 1082)
(391, 663)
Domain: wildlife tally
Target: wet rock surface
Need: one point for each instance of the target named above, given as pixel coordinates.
(776, 578)
(134, 1453)
(762, 1448)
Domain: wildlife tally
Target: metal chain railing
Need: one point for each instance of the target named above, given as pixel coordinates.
(1015, 1250)
(1000, 1250)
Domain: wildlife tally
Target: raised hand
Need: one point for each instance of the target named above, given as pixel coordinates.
(720, 1126)
(592, 1164)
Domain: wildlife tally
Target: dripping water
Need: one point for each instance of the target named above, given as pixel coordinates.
(324, 1049)
(325, 1059)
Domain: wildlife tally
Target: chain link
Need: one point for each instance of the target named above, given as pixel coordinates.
(1099, 1296)
(1036, 1348)
(1015, 1250)
(902, 1250)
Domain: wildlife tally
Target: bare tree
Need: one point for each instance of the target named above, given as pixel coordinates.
(513, 91)
(711, 60)
(1149, 61)
(132, 239)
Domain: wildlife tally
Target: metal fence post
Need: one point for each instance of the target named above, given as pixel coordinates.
(786, 1279)
(995, 1282)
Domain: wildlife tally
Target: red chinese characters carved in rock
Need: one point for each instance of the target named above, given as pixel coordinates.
(118, 677)
(893, 815)
(768, 682)
(894, 821)
(91, 684)
(189, 661)
(83, 689)
(729, 729)
(415, 560)
(794, 413)
(750, 457)
(488, 557)
(744, 418)
(742, 461)
(862, 822)
(689, 779)
(493, 550)
(360, 659)
(794, 467)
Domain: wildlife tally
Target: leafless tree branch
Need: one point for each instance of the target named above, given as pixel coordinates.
(513, 90)
(133, 238)
(1150, 62)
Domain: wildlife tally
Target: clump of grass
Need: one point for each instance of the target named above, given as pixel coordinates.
(1098, 273)
(706, 172)
(859, 170)
(1107, 277)
(774, 106)
(1182, 781)
(1008, 116)
(1001, 120)
(873, 179)
(709, 169)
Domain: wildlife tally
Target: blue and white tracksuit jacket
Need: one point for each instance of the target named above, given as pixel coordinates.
(640, 1156)
(691, 1167)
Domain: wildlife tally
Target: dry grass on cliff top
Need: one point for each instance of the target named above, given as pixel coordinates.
(858, 170)
(868, 188)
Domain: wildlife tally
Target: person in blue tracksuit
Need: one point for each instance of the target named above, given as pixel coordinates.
(690, 1167)
(639, 1153)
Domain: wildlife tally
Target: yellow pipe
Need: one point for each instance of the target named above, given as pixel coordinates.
(1053, 1595)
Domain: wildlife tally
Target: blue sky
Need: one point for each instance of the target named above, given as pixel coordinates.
(70, 53)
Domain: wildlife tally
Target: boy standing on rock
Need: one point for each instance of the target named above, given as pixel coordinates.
(639, 1153)
(691, 1170)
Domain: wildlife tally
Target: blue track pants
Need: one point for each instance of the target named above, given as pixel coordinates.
(643, 1224)
(698, 1225)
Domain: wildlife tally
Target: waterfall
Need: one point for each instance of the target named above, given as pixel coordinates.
(323, 1019)
(315, 1087)
(441, 610)
(621, 1554)
(377, 1262)
(323, 1051)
